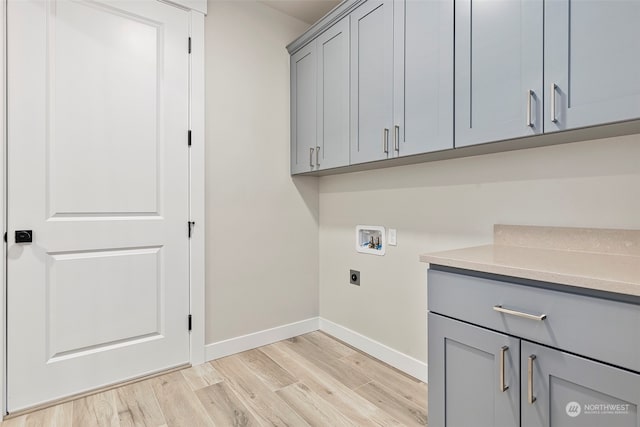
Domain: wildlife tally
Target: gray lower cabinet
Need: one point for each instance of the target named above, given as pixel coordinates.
(485, 369)
(591, 62)
(303, 109)
(423, 76)
(332, 148)
(371, 81)
(563, 390)
(473, 375)
(498, 70)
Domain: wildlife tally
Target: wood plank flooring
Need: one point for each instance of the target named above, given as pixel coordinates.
(310, 380)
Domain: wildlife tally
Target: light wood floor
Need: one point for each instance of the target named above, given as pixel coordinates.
(308, 380)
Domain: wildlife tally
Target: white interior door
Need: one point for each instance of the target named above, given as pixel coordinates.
(98, 170)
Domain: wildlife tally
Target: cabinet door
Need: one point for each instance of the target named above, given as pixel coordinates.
(371, 81)
(498, 71)
(573, 391)
(332, 149)
(592, 57)
(423, 76)
(303, 109)
(466, 375)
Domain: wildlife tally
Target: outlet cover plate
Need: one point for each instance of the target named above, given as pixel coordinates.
(354, 277)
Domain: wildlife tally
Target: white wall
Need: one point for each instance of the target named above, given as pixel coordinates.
(262, 225)
(451, 204)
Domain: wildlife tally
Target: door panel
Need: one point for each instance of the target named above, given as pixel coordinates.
(333, 95)
(133, 273)
(572, 391)
(423, 76)
(591, 54)
(303, 109)
(102, 89)
(464, 373)
(98, 169)
(498, 54)
(371, 80)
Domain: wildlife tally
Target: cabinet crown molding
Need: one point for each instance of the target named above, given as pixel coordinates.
(334, 15)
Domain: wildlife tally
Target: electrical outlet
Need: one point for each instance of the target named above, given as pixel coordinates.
(354, 277)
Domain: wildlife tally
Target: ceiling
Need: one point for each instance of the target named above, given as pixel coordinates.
(308, 11)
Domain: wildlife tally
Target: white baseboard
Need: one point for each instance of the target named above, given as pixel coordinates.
(258, 339)
(398, 360)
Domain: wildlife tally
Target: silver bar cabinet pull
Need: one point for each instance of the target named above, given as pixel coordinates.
(385, 140)
(554, 88)
(531, 397)
(317, 155)
(396, 138)
(529, 119)
(311, 156)
(538, 317)
(503, 386)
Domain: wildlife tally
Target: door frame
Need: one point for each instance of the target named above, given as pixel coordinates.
(197, 10)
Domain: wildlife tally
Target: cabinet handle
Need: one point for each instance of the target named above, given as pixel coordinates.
(311, 156)
(385, 140)
(532, 398)
(554, 88)
(529, 119)
(538, 317)
(503, 386)
(396, 138)
(317, 155)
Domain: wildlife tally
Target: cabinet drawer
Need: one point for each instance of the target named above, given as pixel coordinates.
(598, 328)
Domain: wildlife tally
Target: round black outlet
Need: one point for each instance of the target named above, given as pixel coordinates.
(354, 277)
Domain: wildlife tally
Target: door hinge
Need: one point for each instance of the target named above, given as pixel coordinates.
(189, 44)
(190, 225)
(5, 237)
(189, 138)
(190, 322)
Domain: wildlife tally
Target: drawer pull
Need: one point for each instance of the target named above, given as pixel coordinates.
(503, 386)
(531, 397)
(538, 317)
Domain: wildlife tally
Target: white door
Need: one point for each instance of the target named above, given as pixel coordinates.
(98, 170)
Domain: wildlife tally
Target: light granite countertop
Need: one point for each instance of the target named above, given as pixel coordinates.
(599, 259)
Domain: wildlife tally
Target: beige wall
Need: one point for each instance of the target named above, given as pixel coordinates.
(262, 226)
(454, 203)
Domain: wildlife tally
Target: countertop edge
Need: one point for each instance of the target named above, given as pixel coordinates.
(612, 286)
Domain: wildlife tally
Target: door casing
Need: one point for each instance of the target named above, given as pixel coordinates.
(196, 184)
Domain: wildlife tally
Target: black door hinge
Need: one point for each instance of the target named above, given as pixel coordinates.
(189, 322)
(189, 138)
(189, 44)
(190, 225)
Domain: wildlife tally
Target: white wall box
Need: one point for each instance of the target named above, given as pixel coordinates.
(527, 366)
(371, 239)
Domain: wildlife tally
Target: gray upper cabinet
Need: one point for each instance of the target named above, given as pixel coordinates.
(371, 81)
(498, 70)
(473, 375)
(423, 76)
(559, 388)
(592, 62)
(332, 149)
(303, 109)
